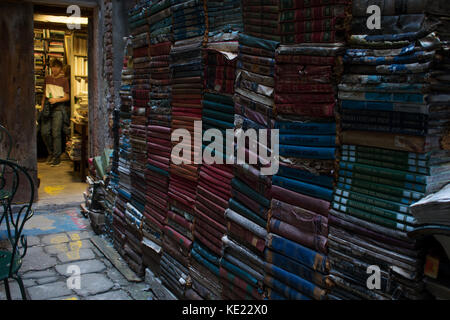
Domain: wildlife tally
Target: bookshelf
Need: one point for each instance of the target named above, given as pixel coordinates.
(48, 44)
(79, 66)
(79, 96)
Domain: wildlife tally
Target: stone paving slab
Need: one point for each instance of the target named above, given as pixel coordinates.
(66, 298)
(28, 282)
(94, 283)
(87, 266)
(47, 280)
(117, 277)
(50, 290)
(36, 259)
(68, 246)
(33, 241)
(139, 291)
(80, 235)
(55, 239)
(39, 274)
(14, 288)
(76, 255)
(111, 295)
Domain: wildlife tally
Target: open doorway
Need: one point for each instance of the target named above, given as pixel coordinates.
(61, 102)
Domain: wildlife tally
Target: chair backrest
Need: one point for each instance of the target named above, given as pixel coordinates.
(15, 220)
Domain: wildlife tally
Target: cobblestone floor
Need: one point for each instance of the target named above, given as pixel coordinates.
(49, 264)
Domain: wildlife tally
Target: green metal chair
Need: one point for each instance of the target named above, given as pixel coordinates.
(11, 257)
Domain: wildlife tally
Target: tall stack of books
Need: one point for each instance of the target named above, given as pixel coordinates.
(246, 216)
(308, 65)
(391, 154)
(158, 133)
(214, 187)
(140, 89)
(123, 187)
(187, 89)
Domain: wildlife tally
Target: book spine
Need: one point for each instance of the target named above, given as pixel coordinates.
(386, 152)
(379, 180)
(384, 172)
(306, 128)
(408, 163)
(381, 128)
(382, 189)
(372, 218)
(389, 205)
(307, 152)
(308, 140)
(375, 210)
(305, 188)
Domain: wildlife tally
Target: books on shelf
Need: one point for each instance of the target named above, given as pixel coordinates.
(80, 46)
(80, 66)
(81, 87)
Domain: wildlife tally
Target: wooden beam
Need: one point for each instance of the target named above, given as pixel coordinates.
(60, 10)
(65, 3)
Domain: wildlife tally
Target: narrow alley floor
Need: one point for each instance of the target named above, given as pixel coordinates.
(59, 186)
(59, 240)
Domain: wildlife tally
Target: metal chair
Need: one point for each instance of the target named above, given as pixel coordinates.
(11, 257)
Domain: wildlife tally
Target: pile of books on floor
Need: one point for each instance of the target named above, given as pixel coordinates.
(73, 147)
(99, 200)
(158, 133)
(389, 139)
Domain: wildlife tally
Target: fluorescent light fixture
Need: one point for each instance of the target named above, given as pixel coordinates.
(60, 19)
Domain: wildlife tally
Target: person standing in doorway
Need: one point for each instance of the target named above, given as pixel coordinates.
(57, 92)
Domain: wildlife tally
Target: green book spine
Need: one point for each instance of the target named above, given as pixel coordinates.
(403, 218)
(388, 152)
(388, 205)
(372, 218)
(394, 183)
(384, 172)
(354, 157)
(386, 189)
(372, 193)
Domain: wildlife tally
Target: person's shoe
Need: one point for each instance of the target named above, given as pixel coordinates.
(49, 159)
(56, 162)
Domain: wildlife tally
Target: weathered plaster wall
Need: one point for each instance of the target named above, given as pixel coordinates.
(17, 111)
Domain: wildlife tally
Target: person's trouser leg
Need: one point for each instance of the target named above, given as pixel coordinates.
(57, 123)
(46, 134)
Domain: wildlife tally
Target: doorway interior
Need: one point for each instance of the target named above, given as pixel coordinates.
(58, 37)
